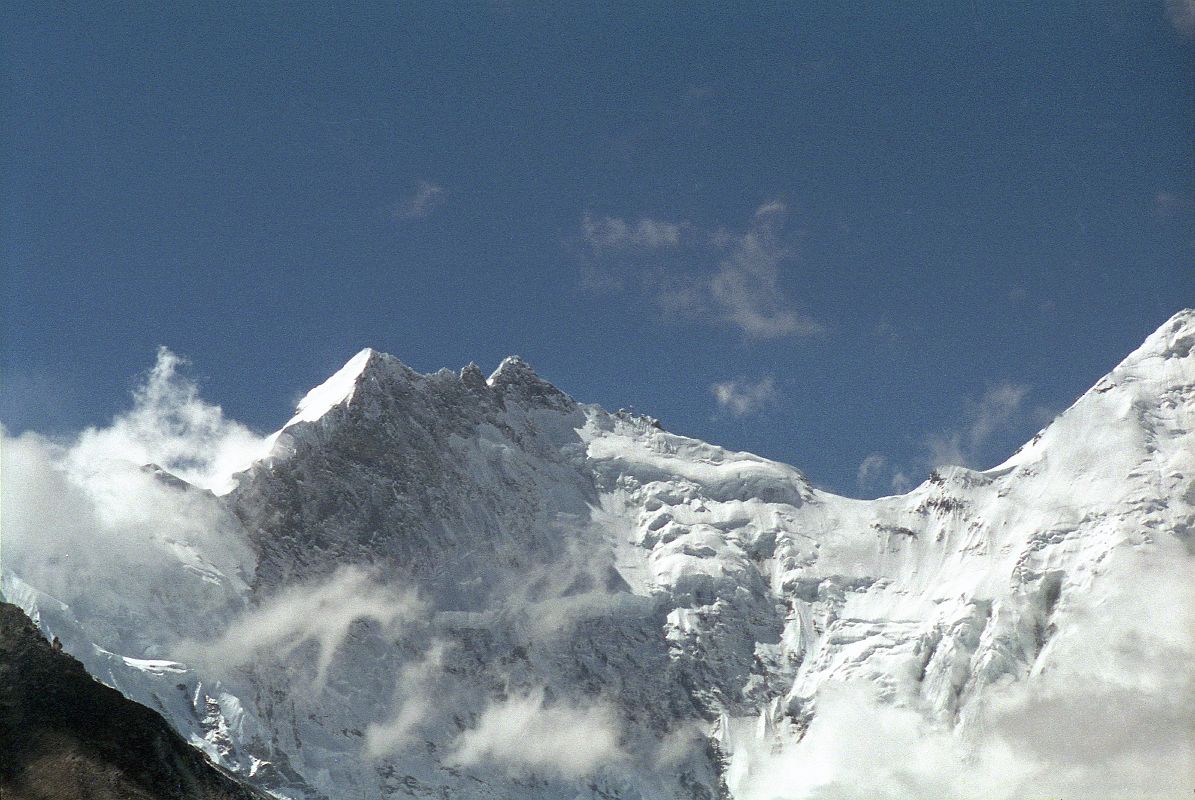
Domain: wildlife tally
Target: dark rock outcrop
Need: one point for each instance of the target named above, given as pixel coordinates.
(64, 735)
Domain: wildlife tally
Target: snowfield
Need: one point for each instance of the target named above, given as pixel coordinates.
(449, 585)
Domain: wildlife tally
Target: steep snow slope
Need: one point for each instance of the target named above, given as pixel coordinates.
(460, 584)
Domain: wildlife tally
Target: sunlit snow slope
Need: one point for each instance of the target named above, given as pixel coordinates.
(449, 585)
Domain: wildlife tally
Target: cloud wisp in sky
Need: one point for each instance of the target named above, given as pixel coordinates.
(877, 472)
(998, 408)
(741, 397)
(1182, 16)
(617, 253)
(746, 290)
(1002, 408)
(613, 233)
(426, 198)
(724, 277)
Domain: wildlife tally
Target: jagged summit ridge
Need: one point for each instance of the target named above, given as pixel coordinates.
(383, 383)
(515, 378)
(370, 367)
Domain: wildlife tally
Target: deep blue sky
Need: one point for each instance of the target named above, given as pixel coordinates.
(971, 212)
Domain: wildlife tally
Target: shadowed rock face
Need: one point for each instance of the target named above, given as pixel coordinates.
(63, 735)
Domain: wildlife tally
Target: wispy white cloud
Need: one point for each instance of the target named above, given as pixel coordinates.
(680, 744)
(526, 733)
(415, 703)
(746, 288)
(740, 396)
(998, 409)
(727, 277)
(887, 332)
(420, 204)
(541, 605)
(1171, 204)
(877, 472)
(1182, 16)
(614, 233)
(321, 613)
(900, 482)
(1044, 306)
(872, 469)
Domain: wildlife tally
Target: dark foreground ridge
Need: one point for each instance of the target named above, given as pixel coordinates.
(65, 736)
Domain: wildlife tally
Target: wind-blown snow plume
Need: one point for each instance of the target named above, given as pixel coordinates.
(117, 541)
(171, 426)
(97, 523)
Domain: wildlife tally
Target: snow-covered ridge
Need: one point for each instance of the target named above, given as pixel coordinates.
(687, 606)
(336, 390)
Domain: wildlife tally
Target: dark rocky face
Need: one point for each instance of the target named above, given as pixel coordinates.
(64, 735)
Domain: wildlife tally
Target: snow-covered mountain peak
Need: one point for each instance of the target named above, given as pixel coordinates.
(513, 368)
(615, 582)
(1160, 360)
(1175, 338)
(337, 389)
(1150, 392)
